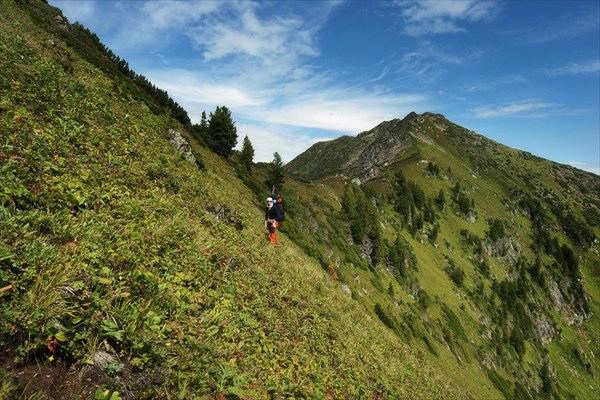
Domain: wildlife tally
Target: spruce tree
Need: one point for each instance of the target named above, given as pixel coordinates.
(276, 175)
(200, 131)
(203, 125)
(247, 154)
(440, 200)
(222, 132)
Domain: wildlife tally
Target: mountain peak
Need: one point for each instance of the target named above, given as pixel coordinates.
(363, 155)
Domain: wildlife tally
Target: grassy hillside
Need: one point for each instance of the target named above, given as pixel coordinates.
(498, 283)
(127, 271)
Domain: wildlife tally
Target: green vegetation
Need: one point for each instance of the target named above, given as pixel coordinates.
(453, 268)
(495, 274)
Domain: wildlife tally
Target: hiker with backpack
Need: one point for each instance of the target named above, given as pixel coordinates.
(273, 216)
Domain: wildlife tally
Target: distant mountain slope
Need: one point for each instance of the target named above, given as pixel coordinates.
(360, 155)
(390, 141)
(127, 271)
(486, 257)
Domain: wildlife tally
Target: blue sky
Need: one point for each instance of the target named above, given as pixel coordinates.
(523, 73)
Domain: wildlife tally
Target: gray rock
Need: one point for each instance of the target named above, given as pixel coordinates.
(181, 145)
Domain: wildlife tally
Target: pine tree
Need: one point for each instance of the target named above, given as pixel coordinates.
(247, 154)
(496, 230)
(276, 175)
(434, 233)
(222, 132)
(348, 201)
(203, 124)
(200, 131)
(440, 200)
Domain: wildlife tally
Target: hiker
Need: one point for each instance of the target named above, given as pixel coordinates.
(272, 218)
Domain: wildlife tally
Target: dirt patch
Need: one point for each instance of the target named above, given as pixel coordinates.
(45, 378)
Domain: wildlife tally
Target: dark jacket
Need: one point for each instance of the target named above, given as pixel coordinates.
(273, 213)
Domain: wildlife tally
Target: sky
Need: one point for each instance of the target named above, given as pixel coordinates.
(522, 73)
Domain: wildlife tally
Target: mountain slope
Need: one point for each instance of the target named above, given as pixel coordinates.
(358, 155)
(125, 267)
(484, 256)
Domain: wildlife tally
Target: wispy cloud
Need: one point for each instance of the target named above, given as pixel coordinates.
(198, 92)
(279, 37)
(437, 17)
(569, 26)
(586, 67)
(425, 63)
(586, 166)
(167, 14)
(492, 84)
(381, 75)
(523, 108)
(341, 111)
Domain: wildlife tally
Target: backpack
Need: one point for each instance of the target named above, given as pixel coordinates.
(279, 204)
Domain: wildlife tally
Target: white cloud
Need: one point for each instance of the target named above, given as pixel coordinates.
(586, 166)
(586, 67)
(156, 25)
(267, 140)
(425, 63)
(342, 111)
(568, 26)
(170, 14)
(435, 17)
(519, 108)
(197, 93)
(493, 84)
(247, 35)
(221, 29)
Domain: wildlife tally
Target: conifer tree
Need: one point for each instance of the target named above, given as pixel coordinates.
(203, 124)
(276, 175)
(222, 132)
(375, 234)
(496, 230)
(348, 201)
(433, 235)
(200, 131)
(440, 200)
(247, 154)
(351, 208)
(360, 218)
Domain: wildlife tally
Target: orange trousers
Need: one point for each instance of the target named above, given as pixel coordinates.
(272, 227)
(273, 238)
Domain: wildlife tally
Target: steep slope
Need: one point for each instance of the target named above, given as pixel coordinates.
(358, 156)
(129, 266)
(485, 257)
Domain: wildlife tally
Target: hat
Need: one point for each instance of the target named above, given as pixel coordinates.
(269, 199)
